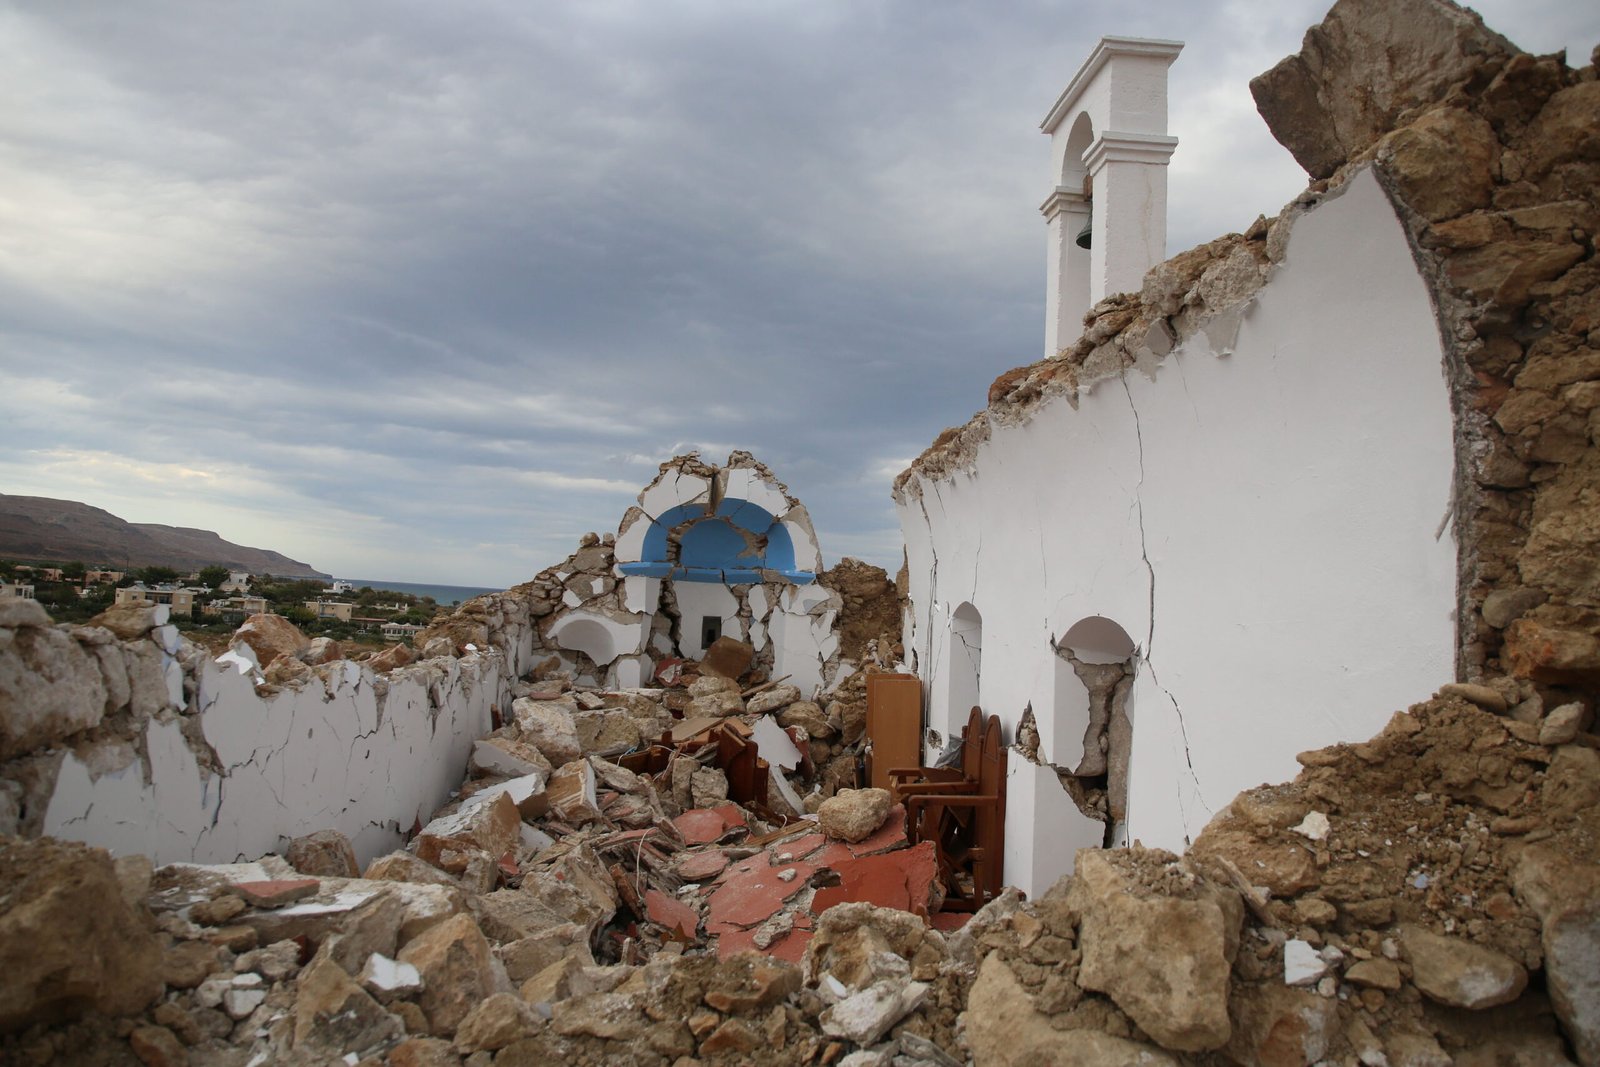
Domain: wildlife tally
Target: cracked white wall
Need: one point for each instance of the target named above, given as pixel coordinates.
(333, 754)
(1264, 523)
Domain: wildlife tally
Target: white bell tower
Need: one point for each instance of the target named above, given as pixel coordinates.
(1108, 154)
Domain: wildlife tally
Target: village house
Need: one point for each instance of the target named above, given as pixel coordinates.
(175, 597)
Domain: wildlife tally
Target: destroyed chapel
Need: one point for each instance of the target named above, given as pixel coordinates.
(1315, 504)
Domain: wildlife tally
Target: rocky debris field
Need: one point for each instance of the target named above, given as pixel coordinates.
(1428, 897)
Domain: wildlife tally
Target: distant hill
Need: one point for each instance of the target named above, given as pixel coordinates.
(37, 527)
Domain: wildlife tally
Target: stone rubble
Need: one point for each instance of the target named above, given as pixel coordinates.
(1428, 896)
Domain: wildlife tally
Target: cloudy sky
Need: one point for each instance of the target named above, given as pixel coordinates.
(424, 291)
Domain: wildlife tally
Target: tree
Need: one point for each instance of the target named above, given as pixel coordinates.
(213, 576)
(74, 571)
(157, 575)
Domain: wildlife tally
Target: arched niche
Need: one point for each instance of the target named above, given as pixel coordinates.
(1092, 716)
(965, 660)
(732, 545)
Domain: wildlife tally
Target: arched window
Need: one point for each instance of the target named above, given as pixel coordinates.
(965, 662)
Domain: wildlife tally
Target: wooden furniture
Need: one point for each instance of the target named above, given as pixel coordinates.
(894, 725)
(962, 810)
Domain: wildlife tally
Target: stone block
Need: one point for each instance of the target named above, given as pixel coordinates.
(489, 828)
(69, 943)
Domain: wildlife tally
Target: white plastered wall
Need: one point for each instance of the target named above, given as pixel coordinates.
(1265, 524)
(329, 755)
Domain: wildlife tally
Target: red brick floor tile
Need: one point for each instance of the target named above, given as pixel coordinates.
(791, 946)
(275, 894)
(900, 880)
(949, 921)
(751, 892)
(700, 826)
(672, 913)
(701, 866)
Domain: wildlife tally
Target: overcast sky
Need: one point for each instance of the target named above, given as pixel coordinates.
(424, 291)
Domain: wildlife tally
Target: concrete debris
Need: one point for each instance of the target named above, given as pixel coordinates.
(854, 814)
(600, 875)
(326, 853)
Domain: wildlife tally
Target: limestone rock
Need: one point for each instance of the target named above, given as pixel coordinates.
(1486, 697)
(1563, 724)
(1002, 1027)
(424, 1052)
(1459, 973)
(548, 726)
(50, 688)
(864, 1017)
(779, 696)
(708, 787)
(809, 717)
(334, 1016)
(1281, 1027)
(270, 636)
(326, 853)
(507, 758)
(490, 828)
(572, 794)
(728, 657)
(715, 705)
(1368, 62)
(404, 867)
(392, 658)
(748, 983)
(457, 972)
(502, 1019)
(68, 940)
(526, 956)
(1164, 959)
(1566, 898)
(610, 1016)
(156, 1046)
(322, 650)
(129, 622)
(854, 814)
(1444, 163)
(604, 731)
(851, 941)
(1538, 650)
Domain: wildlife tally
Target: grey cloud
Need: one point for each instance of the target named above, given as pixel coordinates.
(442, 265)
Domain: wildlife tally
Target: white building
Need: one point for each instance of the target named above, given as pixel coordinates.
(1238, 496)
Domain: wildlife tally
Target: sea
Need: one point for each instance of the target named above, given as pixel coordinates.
(444, 595)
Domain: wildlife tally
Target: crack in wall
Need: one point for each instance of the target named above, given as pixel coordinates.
(1150, 634)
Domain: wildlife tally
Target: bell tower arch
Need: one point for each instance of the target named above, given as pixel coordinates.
(1107, 215)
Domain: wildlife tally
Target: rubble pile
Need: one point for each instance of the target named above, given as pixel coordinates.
(685, 872)
(1426, 897)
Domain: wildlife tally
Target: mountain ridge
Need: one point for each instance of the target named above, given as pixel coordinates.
(44, 528)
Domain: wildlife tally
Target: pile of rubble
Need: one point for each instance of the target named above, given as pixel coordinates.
(1425, 898)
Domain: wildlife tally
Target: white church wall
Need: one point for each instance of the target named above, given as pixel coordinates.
(1263, 522)
(352, 751)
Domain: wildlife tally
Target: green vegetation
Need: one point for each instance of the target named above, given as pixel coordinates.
(284, 596)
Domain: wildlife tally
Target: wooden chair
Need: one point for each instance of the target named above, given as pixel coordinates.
(906, 783)
(963, 812)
